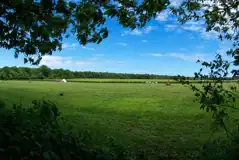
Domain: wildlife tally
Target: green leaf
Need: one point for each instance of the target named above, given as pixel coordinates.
(46, 156)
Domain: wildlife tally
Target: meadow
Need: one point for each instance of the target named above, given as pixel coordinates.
(160, 120)
(107, 80)
(97, 80)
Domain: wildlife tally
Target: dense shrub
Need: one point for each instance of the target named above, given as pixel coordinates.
(223, 149)
(2, 104)
(35, 133)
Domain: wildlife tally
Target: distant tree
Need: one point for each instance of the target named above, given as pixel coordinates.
(45, 71)
(3, 75)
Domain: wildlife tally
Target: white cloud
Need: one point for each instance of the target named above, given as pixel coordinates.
(83, 63)
(171, 27)
(198, 27)
(191, 57)
(54, 61)
(138, 32)
(149, 29)
(122, 44)
(92, 49)
(194, 22)
(143, 54)
(98, 55)
(67, 61)
(121, 62)
(195, 26)
(145, 41)
(118, 4)
(182, 49)
(163, 16)
(175, 2)
(192, 27)
(191, 36)
(209, 35)
(94, 58)
(166, 14)
(134, 32)
(59, 61)
(74, 45)
(200, 47)
(156, 54)
(67, 45)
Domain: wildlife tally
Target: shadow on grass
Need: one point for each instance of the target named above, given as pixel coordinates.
(157, 134)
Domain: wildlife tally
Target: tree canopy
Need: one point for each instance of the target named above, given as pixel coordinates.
(220, 16)
(36, 28)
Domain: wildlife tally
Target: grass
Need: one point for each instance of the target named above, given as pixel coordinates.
(120, 80)
(98, 80)
(160, 120)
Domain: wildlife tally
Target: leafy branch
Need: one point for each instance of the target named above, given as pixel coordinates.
(213, 94)
(37, 28)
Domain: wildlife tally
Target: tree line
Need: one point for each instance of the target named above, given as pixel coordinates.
(44, 72)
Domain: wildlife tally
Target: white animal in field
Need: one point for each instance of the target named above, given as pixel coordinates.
(63, 80)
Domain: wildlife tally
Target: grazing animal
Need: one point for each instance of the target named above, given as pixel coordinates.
(61, 94)
(131, 126)
(168, 83)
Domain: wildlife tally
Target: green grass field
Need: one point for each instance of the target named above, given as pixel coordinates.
(121, 80)
(98, 80)
(158, 119)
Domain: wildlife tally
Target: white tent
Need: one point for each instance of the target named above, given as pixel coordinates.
(63, 80)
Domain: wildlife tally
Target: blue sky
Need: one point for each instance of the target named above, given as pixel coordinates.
(161, 47)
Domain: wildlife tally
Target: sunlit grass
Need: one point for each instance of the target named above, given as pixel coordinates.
(154, 118)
